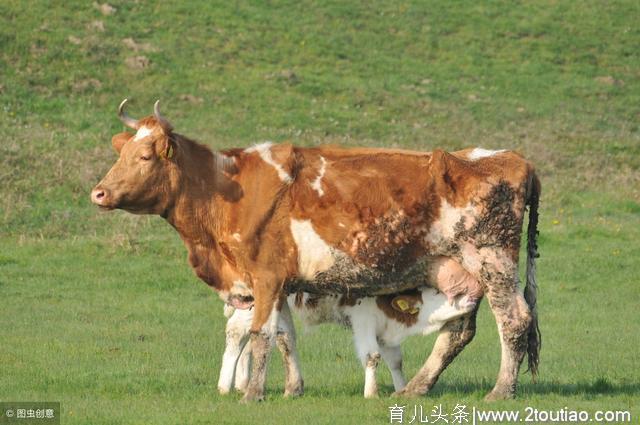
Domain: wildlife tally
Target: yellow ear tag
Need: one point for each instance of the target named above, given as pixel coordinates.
(170, 152)
(402, 305)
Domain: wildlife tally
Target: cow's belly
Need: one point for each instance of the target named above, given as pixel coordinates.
(324, 269)
(345, 276)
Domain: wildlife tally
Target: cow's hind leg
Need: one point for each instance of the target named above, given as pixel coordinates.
(513, 318)
(453, 337)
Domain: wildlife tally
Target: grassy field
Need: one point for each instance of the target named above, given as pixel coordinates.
(101, 311)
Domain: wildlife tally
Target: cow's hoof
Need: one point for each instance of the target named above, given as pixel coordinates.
(498, 395)
(404, 393)
(223, 391)
(252, 396)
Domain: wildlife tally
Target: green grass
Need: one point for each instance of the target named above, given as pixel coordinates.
(101, 312)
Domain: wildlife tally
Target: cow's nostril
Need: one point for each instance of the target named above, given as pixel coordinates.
(99, 196)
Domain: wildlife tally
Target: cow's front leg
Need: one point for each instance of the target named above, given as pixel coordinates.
(286, 341)
(263, 332)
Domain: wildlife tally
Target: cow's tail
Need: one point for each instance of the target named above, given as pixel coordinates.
(534, 340)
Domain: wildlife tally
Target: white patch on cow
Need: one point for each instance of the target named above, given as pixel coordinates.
(142, 133)
(317, 183)
(450, 216)
(342, 225)
(264, 150)
(237, 237)
(314, 255)
(479, 153)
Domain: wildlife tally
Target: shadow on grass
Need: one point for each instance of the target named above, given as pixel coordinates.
(597, 387)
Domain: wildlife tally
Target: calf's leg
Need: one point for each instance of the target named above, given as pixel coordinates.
(365, 339)
(453, 337)
(286, 341)
(392, 356)
(243, 368)
(236, 336)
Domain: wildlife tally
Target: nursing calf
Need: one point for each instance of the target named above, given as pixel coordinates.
(379, 326)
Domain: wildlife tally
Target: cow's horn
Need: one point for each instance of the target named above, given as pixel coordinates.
(126, 119)
(166, 126)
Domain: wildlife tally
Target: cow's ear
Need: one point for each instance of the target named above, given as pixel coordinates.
(119, 140)
(165, 147)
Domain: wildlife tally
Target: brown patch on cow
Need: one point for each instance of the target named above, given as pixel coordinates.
(386, 304)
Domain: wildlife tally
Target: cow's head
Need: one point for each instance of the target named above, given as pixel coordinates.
(143, 179)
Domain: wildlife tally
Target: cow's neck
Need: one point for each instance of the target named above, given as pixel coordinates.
(197, 213)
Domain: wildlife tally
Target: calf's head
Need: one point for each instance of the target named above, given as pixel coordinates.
(143, 179)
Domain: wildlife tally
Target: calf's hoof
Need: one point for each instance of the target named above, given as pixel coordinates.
(223, 391)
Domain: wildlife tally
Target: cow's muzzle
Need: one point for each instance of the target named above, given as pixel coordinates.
(102, 197)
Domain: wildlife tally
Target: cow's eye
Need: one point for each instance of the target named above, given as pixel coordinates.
(145, 157)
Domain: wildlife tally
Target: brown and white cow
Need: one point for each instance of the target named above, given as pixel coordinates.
(274, 219)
